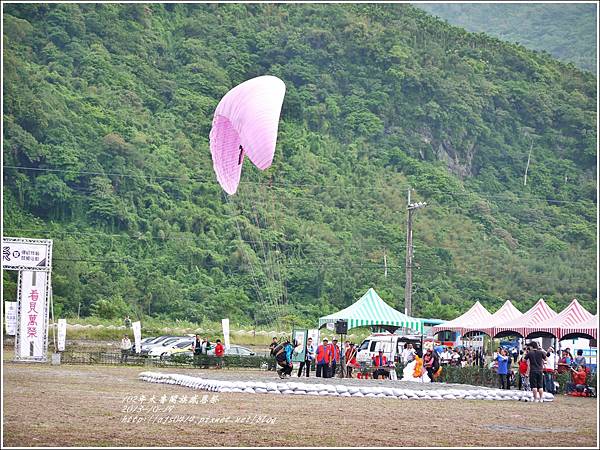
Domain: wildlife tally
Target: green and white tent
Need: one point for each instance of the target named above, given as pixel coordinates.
(371, 310)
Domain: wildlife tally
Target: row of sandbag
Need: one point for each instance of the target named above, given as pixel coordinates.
(337, 390)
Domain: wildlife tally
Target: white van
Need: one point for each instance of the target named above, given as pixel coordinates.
(391, 344)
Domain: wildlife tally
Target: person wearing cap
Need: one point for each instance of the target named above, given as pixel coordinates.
(335, 357)
(350, 356)
(380, 361)
(323, 359)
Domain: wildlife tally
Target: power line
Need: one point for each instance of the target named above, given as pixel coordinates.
(278, 185)
(431, 248)
(371, 265)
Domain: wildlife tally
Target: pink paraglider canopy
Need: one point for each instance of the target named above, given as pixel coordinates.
(245, 124)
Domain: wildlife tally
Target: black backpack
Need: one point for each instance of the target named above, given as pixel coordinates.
(276, 349)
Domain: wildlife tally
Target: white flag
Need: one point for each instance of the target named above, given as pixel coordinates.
(62, 334)
(137, 335)
(225, 323)
(10, 317)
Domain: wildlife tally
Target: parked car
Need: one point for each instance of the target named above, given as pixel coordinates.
(158, 342)
(234, 350)
(171, 347)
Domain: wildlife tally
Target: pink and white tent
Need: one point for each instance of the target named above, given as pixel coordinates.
(507, 312)
(569, 317)
(472, 318)
(525, 324)
(588, 327)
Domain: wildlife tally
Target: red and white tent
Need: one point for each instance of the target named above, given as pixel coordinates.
(472, 318)
(528, 322)
(583, 329)
(568, 317)
(506, 313)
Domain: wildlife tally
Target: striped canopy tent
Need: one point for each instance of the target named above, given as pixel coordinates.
(587, 329)
(371, 310)
(570, 316)
(506, 313)
(472, 318)
(525, 324)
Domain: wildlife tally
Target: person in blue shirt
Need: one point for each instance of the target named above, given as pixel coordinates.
(503, 360)
(284, 359)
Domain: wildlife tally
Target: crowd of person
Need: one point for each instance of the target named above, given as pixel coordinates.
(325, 358)
(535, 369)
(461, 356)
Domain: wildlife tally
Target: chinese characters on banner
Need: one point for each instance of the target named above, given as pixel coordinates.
(10, 317)
(19, 255)
(62, 334)
(33, 316)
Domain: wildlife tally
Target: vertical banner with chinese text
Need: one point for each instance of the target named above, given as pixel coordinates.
(32, 315)
(10, 317)
(62, 334)
(299, 342)
(225, 323)
(137, 335)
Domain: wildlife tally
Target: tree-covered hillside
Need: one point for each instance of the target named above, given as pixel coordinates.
(565, 30)
(107, 112)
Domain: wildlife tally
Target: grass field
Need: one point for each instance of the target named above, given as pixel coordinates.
(65, 405)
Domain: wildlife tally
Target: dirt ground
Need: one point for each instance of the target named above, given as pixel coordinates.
(72, 405)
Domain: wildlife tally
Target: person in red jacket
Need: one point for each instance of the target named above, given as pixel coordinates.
(323, 359)
(380, 361)
(578, 380)
(350, 356)
(335, 357)
(219, 352)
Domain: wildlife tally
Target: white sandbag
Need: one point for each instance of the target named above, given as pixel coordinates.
(287, 391)
(312, 393)
(449, 397)
(249, 390)
(358, 394)
(353, 389)
(370, 394)
(345, 394)
(341, 388)
(260, 390)
(299, 392)
(387, 391)
(324, 393)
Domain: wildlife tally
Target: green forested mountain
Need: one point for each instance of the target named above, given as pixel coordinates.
(565, 30)
(107, 111)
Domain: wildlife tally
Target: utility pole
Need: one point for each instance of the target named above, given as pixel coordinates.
(411, 207)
